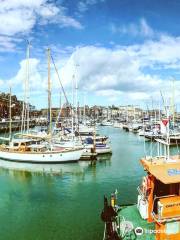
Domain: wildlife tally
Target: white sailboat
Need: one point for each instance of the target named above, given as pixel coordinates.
(36, 150)
(29, 151)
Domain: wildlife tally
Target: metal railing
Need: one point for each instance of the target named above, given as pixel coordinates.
(159, 218)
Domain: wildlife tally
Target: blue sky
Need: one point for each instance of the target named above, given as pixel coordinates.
(126, 50)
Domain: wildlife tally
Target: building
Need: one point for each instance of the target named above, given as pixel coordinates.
(16, 106)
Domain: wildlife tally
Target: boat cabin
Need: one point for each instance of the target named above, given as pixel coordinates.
(26, 145)
(159, 196)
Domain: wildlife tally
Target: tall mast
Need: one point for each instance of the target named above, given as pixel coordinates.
(10, 115)
(72, 107)
(134, 113)
(76, 89)
(172, 103)
(27, 84)
(60, 101)
(127, 118)
(84, 112)
(159, 120)
(49, 92)
(25, 110)
(168, 140)
(76, 94)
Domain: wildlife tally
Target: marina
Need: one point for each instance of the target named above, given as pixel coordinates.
(99, 152)
(89, 120)
(84, 179)
(73, 195)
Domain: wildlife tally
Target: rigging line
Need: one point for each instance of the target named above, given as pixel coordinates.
(145, 152)
(163, 102)
(59, 79)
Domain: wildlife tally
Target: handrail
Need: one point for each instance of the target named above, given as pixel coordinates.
(163, 219)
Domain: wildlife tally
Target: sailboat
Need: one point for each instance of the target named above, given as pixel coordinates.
(34, 149)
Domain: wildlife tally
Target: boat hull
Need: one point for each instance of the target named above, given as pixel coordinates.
(99, 149)
(46, 157)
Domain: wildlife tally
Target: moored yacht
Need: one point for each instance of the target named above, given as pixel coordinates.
(106, 123)
(34, 151)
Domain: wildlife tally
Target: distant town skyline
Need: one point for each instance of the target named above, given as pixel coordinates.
(119, 51)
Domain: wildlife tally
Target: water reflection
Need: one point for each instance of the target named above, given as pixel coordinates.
(63, 201)
(105, 159)
(41, 169)
(27, 170)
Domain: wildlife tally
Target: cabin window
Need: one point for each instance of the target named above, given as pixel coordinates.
(15, 144)
(172, 228)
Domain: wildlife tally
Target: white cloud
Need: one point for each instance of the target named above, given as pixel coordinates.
(118, 74)
(141, 29)
(19, 17)
(36, 78)
(102, 69)
(8, 43)
(84, 5)
(146, 30)
(122, 71)
(166, 50)
(16, 21)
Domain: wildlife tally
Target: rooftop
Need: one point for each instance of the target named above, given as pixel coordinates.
(165, 170)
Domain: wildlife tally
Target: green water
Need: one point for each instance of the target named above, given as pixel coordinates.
(67, 206)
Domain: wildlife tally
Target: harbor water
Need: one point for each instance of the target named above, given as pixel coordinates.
(64, 202)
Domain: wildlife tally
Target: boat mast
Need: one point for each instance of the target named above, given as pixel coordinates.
(84, 114)
(76, 89)
(172, 103)
(27, 85)
(25, 110)
(72, 126)
(168, 139)
(158, 144)
(49, 93)
(10, 115)
(134, 113)
(127, 117)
